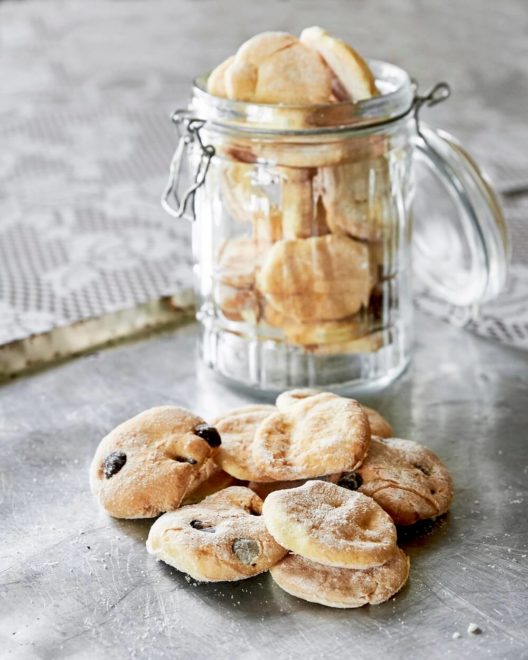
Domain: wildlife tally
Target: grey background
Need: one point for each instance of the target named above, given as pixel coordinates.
(76, 584)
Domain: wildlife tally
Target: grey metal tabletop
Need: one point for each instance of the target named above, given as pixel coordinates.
(75, 583)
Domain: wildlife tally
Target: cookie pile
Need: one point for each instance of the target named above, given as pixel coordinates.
(310, 263)
(343, 546)
(309, 489)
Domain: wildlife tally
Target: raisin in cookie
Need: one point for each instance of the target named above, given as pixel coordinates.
(330, 525)
(144, 466)
(237, 428)
(341, 587)
(222, 538)
(319, 435)
(408, 480)
(378, 424)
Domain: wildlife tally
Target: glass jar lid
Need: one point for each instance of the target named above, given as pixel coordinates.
(460, 238)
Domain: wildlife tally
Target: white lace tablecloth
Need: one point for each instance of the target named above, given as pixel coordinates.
(86, 89)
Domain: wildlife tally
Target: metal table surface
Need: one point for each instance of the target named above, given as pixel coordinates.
(75, 583)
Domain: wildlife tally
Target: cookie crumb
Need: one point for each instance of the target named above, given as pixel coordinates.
(456, 635)
(473, 629)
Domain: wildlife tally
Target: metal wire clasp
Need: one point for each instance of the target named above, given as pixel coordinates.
(189, 131)
(437, 94)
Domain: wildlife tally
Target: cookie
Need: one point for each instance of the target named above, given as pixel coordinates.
(317, 333)
(216, 80)
(322, 278)
(236, 262)
(330, 525)
(378, 424)
(234, 285)
(237, 304)
(245, 199)
(289, 397)
(368, 344)
(237, 428)
(145, 465)
(241, 79)
(237, 191)
(341, 587)
(208, 480)
(357, 198)
(315, 437)
(221, 538)
(276, 67)
(405, 478)
(355, 80)
(303, 212)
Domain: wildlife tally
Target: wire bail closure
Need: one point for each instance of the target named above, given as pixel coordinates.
(437, 94)
(189, 131)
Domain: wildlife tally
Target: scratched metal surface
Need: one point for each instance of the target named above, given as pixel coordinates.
(76, 584)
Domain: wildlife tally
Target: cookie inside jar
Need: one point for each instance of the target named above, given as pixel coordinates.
(303, 223)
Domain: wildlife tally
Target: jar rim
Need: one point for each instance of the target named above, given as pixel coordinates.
(397, 91)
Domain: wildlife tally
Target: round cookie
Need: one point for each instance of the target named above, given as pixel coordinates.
(341, 587)
(216, 80)
(222, 538)
(330, 525)
(144, 466)
(322, 334)
(237, 260)
(378, 424)
(322, 278)
(237, 428)
(241, 76)
(275, 67)
(405, 478)
(350, 206)
(356, 81)
(320, 435)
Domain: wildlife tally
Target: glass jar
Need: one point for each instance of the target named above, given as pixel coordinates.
(303, 235)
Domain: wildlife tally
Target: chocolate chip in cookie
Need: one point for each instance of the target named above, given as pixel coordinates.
(203, 527)
(209, 434)
(185, 459)
(113, 463)
(351, 480)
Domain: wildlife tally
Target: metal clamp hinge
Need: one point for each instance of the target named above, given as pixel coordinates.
(437, 94)
(189, 130)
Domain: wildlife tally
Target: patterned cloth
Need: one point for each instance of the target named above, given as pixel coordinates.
(82, 166)
(85, 146)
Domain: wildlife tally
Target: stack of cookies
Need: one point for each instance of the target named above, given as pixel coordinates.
(308, 228)
(342, 544)
(310, 489)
